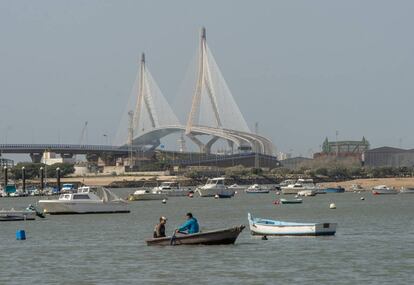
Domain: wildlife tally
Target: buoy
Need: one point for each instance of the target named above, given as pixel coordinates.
(362, 198)
(164, 201)
(190, 195)
(235, 192)
(276, 202)
(217, 196)
(20, 235)
(332, 206)
(277, 192)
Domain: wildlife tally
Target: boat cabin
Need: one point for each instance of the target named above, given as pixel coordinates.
(169, 185)
(215, 181)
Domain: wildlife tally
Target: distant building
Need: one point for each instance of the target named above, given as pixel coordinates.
(343, 149)
(50, 158)
(6, 162)
(389, 156)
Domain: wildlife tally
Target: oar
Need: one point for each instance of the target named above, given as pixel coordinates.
(172, 240)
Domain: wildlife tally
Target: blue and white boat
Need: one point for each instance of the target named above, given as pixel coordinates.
(337, 189)
(265, 227)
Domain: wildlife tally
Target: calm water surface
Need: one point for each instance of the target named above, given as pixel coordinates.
(374, 244)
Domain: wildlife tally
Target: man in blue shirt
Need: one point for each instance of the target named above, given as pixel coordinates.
(191, 225)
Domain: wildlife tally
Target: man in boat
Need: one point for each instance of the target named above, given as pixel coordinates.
(159, 230)
(190, 226)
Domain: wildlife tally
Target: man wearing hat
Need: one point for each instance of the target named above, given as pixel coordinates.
(159, 230)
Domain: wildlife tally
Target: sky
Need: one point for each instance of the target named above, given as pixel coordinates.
(303, 70)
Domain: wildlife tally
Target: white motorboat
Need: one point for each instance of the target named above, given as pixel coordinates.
(267, 227)
(300, 185)
(172, 189)
(408, 190)
(236, 187)
(256, 189)
(307, 192)
(383, 190)
(215, 186)
(86, 200)
(17, 215)
(147, 194)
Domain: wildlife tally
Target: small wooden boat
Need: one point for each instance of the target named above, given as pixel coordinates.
(292, 201)
(267, 227)
(223, 236)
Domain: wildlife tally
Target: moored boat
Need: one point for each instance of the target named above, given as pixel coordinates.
(383, 190)
(215, 237)
(291, 201)
(88, 200)
(307, 192)
(408, 190)
(17, 215)
(337, 189)
(146, 194)
(213, 187)
(256, 189)
(172, 189)
(265, 227)
(300, 185)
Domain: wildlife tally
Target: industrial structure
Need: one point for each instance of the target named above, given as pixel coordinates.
(389, 157)
(343, 149)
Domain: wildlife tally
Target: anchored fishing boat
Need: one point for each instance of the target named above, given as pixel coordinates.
(265, 227)
(88, 200)
(222, 236)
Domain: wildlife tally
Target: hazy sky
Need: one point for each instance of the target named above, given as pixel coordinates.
(302, 69)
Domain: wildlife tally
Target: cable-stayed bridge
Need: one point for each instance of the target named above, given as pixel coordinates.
(214, 115)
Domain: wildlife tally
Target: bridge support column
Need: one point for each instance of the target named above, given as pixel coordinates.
(36, 157)
(209, 144)
(199, 143)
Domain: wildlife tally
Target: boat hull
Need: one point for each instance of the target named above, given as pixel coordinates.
(277, 228)
(6, 216)
(257, 191)
(384, 192)
(212, 192)
(217, 237)
(54, 207)
(147, 196)
(334, 190)
(296, 201)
